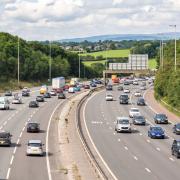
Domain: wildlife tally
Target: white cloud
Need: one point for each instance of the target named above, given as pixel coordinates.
(56, 19)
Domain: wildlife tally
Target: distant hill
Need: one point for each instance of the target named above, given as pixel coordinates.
(121, 37)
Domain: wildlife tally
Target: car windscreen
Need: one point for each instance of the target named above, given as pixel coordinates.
(163, 116)
(4, 135)
(123, 97)
(34, 144)
(135, 110)
(157, 128)
(178, 126)
(123, 122)
(139, 117)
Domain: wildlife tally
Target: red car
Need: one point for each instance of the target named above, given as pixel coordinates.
(87, 86)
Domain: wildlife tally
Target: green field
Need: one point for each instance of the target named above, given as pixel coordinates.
(152, 64)
(110, 53)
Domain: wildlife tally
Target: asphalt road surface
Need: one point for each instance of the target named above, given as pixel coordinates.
(130, 156)
(14, 164)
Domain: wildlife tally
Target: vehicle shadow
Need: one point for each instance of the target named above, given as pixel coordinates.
(135, 131)
(42, 131)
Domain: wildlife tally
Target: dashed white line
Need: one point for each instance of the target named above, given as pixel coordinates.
(140, 134)
(110, 127)
(148, 170)
(158, 149)
(171, 159)
(126, 148)
(119, 140)
(148, 140)
(1, 127)
(135, 158)
(23, 128)
(12, 158)
(5, 123)
(114, 133)
(8, 173)
(17, 141)
(14, 152)
(20, 134)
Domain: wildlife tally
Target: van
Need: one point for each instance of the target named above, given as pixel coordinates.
(4, 103)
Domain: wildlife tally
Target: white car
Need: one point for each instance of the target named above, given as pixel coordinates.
(134, 112)
(53, 93)
(71, 90)
(17, 100)
(135, 83)
(34, 147)
(26, 89)
(137, 94)
(109, 97)
(142, 87)
(123, 125)
(126, 90)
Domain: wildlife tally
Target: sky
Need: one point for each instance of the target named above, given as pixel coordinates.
(62, 19)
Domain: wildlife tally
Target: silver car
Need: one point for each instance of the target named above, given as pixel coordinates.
(34, 147)
(123, 125)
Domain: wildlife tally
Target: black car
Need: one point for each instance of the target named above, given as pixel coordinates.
(141, 101)
(139, 120)
(175, 149)
(8, 93)
(61, 96)
(33, 104)
(25, 93)
(160, 119)
(5, 138)
(120, 88)
(123, 99)
(47, 95)
(176, 128)
(33, 127)
(40, 99)
(109, 87)
(126, 83)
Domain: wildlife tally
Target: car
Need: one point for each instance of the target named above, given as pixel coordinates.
(33, 104)
(93, 84)
(17, 100)
(25, 93)
(123, 99)
(134, 112)
(126, 83)
(109, 97)
(176, 128)
(40, 98)
(53, 93)
(47, 95)
(4, 103)
(77, 88)
(34, 147)
(109, 87)
(123, 125)
(126, 90)
(8, 93)
(59, 90)
(87, 86)
(120, 88)
(26, 89)
(175, 149)
(71, 90)
(143, 83)
(142, 87)
(137, 94)
(160, 119)
(139, 120)
(5, 138)
(141, 101)
(61, 96)
(135, 83)
(33, 127)
(66, 87)
(156, 132)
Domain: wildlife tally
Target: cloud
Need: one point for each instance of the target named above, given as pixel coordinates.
(56, 19)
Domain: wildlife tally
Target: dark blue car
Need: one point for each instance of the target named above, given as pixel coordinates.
(156, 132)
(93, 85)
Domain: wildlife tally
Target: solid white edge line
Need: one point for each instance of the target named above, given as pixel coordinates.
(105, 164)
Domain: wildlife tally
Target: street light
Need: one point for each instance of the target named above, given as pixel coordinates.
(175, 62)
(79, 64)
(18, 61)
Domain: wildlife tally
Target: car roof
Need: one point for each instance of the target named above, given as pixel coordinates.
(35, 141)
(134, 109)
(122, 118)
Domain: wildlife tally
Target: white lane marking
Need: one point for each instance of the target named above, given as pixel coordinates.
(148, 140)
(5, 123)
(87, 130)
(171, 159)
(110, 127)
(114, 133)
(119, 140)
(17, 112)
(14, 152)
(12, 158)
(158, 149)
(126, 148)
(140, 134)
(31, 115)
(17, 141)
(1, 127)
(135, 158)
(20, 134)
(8, 173)
(148, 170)
(23, 128)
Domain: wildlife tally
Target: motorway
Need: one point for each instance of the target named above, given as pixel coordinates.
(129, 156)
(14, 164)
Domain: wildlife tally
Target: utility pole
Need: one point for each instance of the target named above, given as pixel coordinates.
(18, 61)
(79, 64)
(160, 53)
(175, 54)
(50, 60)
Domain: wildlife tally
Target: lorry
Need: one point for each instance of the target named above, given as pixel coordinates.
(74, 81)
(43, 89)
(115, 79)
(58, 83)
(4, 103)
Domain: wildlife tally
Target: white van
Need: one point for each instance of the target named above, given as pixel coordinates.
(4, 103)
